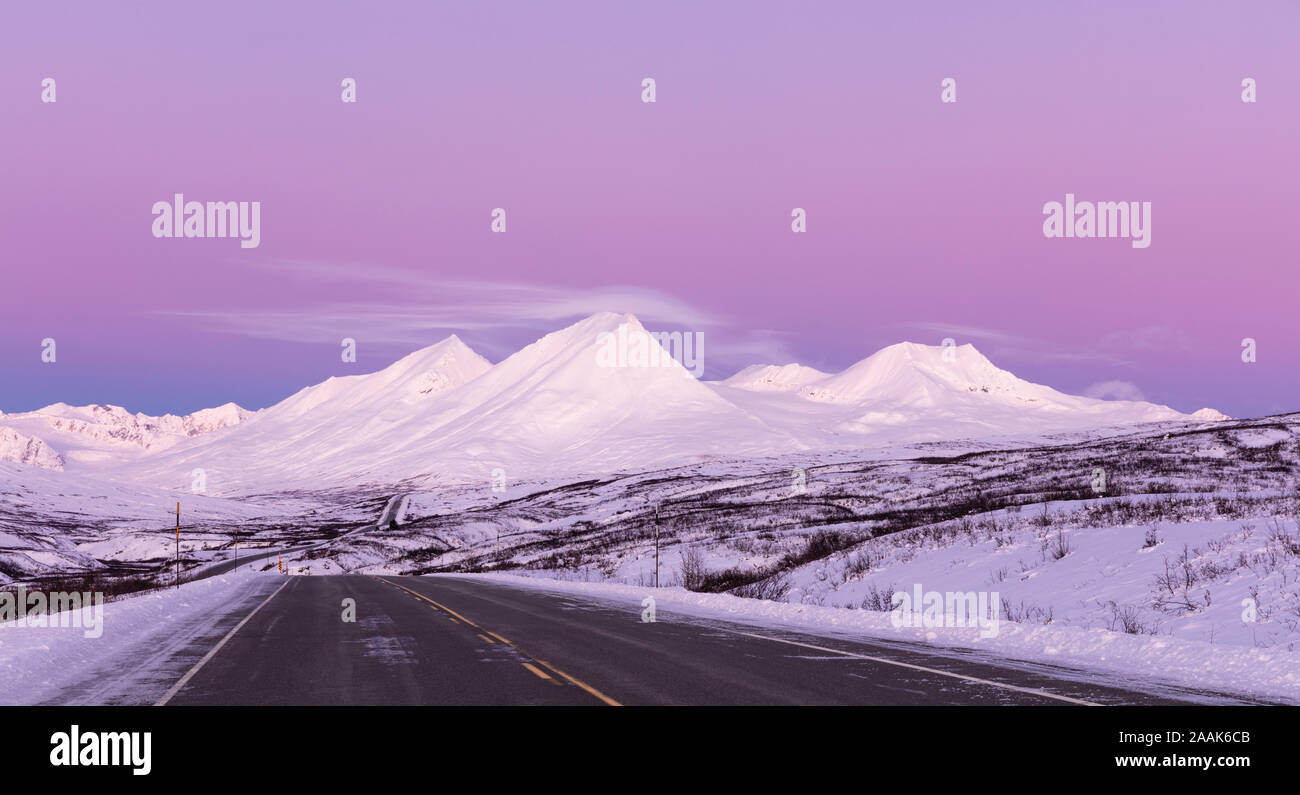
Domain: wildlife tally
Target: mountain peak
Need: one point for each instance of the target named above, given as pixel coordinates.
(425, 372)
(922, 352)
(775, 377)
(439, 354)
(604, 321)
(911, 372)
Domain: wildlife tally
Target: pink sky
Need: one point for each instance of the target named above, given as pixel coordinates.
(924, 218)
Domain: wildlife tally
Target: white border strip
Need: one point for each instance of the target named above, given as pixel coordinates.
(176, 688)
(1003, 685)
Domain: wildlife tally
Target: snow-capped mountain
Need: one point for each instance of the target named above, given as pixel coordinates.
(405, 384)
(28, 450)
(336, 431)
(445, 413)
(560, 407)
(556, 403)
(910, 392)
(93, 433)
(775, 377)
(908, 374)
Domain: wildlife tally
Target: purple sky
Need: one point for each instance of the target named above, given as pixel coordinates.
(924, 219)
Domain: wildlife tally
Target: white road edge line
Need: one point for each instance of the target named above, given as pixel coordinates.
(176, 688)
(1003, 685)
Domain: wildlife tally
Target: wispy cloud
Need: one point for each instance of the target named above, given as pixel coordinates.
(403, 307)
(961, 333)
(1114, 390)
(1150, 339)
(1003, 345)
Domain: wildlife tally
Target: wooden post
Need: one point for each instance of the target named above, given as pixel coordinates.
(656, 545)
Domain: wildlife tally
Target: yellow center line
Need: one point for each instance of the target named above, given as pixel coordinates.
(489, 640)
(593, 691)
(586, 687)
(430, 601)
(534, 669)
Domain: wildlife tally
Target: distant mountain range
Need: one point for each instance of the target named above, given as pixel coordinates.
(445, 414)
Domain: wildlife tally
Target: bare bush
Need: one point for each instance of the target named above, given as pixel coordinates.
(857, 565)
(693, 572)
(1025, 613)
(1058, 547)
(772, 589)
(879, 599)
(1287, 543)
(1152, 537)
(1128, 618)
(1174, 585)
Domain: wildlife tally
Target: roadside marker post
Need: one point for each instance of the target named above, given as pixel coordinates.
(656, 545)
(178, 545)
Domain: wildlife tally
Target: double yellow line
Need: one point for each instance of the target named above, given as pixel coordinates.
(488, 634)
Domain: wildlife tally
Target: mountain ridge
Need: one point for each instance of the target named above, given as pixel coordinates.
(444, 413)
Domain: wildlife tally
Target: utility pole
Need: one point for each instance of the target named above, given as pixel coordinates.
(656, 545)
(178, 545)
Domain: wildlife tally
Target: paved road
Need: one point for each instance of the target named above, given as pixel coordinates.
(395, 507)
(448, 640)
(226, 566)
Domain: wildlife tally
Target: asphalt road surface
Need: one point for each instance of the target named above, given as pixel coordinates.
(226, 566)
(450, 640)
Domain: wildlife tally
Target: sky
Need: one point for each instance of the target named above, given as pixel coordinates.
(924, 218)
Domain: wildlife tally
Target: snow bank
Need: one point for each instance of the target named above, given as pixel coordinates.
(1259, 673)
(39, 664)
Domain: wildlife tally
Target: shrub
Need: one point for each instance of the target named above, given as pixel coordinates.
(693, 573)
(1152, 537)
(772, 588)
(879, 599)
